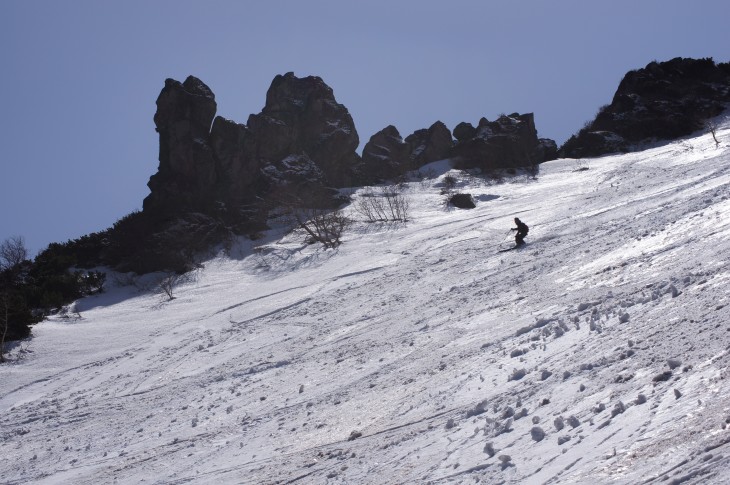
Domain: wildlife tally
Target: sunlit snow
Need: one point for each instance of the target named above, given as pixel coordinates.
(413, 353)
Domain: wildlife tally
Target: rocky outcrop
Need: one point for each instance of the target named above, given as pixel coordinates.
(302, 136)
(237, 166)
(462, 201)
(302, 117)
(464, 131)
(218, 177)
(547, 149)
(386, 155)
(429, 145)
(662, 101)
(187, 167)
(508, 142)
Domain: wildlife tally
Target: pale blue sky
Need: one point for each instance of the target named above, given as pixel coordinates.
(80, 78)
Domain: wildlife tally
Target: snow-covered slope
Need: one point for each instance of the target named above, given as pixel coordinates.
(416, 353)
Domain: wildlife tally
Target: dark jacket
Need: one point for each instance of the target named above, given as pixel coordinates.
(521, 228)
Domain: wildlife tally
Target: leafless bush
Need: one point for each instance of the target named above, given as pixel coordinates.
(321, 225)
(712, 128)
(448, 190)
(388, 204)
(450, 182)
(4, 321)
(314, 212)
(168, 284)
(171, 282)
(12, 252)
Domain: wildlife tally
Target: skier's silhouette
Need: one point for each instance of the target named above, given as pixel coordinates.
(522, 231)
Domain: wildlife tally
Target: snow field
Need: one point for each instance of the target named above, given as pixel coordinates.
(414, 353)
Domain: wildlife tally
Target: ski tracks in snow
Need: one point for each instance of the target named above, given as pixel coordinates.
(414, 353)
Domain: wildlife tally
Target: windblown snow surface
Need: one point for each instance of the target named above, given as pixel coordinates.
(414, 353)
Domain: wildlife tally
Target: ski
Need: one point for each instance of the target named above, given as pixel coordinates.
(512, 248)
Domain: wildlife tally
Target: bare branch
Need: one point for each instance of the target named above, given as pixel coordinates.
(4, 314)
(712, 128)
(388, 205)
(12, 252)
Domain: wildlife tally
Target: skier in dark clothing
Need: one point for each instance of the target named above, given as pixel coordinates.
(522, 231)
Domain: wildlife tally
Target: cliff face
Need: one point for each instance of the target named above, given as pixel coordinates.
(508, 142)
(187, 168)
(219, 167)
(302, 118)
(388, 156)
(662, 101)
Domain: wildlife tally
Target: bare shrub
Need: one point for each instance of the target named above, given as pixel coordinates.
(12, 252)
(171, 282)
(322, 226)
(314, 213)
(168, 284)
(712, 128)
(4, 319)
(388, 204)
(450, 182)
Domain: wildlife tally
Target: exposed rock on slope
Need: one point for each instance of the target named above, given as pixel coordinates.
(302, 135)
(508, 142)
(223, 173)
(386, 155)
(429, 145)
(187, 168)
(662, 101)
(302, 117)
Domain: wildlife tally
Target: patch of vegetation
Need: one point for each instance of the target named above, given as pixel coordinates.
(32, 290)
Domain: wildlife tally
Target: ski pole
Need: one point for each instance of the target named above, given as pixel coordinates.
(504, 238)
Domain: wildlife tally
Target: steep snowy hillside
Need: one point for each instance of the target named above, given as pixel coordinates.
(416, 353)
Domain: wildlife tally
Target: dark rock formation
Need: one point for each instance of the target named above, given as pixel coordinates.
(662, 101)
(302, 117)
(187, 168)
(386, 155)
(429, 145)
(547, 149)
(234, 149)
(217, 176)
(462, 201)
(464, 131)
(509, 142)
(301, 136)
